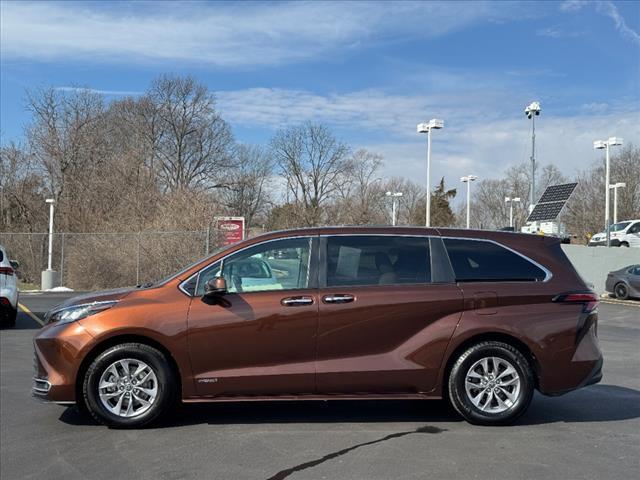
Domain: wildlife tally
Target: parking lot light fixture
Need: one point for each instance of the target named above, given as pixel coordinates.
(511, 201)
(605, 145)
(615, 188)
(437, 124)
(468, 179)
(394, 196)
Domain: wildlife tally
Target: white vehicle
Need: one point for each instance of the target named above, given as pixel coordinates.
(623, 234)
(8, 290)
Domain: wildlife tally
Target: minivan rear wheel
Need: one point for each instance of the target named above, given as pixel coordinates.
(129, 386)
(491, 383)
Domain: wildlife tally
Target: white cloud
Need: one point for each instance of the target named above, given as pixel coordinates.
(222, 34)
(557, 32)
(98, 91)
(607, 8)
(481, 136)
(610, 10)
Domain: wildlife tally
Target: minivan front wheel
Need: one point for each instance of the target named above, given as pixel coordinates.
(128, 386)
(491, 383)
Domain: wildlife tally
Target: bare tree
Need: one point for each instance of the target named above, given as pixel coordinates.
(361, 199)
(248, 194)
(192, 143)
(314, 166)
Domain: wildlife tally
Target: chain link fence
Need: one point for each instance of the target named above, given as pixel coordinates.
(91, 261)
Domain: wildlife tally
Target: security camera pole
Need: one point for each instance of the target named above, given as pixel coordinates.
(532, 111)
(394, 196)
(511, 201)
(615, 188)
(468, 179)
(434, 123)
(604, 145)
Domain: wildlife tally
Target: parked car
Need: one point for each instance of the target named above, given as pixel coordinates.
(624, 283)
(481, 318)
(623, 234)
(8, 290)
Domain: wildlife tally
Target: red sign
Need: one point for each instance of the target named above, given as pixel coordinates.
(231, 229)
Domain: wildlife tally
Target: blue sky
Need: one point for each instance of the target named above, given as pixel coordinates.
(370, 70)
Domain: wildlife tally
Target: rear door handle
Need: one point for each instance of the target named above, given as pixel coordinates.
(296, 301)
(338, 298)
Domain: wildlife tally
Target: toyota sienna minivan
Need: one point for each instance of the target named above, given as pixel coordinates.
(479, 318)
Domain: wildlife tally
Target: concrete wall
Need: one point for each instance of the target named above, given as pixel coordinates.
(593, 263)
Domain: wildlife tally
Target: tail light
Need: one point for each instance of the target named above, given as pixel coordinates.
(588, 299)
(5, 302)
(6, 271)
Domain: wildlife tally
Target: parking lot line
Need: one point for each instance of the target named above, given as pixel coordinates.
(31, 314)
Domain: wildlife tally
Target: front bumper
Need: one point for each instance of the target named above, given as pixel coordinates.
(58, 354)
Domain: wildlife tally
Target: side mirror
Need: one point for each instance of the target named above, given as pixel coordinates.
(215, 287)
(14, 264)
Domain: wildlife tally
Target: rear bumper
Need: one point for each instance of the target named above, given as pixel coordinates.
(575, 367)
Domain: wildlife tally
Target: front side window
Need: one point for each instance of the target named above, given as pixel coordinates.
(377, 260)
(276, 265)
(481, 261)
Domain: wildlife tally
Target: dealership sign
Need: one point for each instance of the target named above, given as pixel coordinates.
(230, 229)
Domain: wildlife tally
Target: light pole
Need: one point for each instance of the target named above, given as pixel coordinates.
(600, 145)
(615, 188)
(511, 201)
(51, 202)
(532, 111)
(49, 277)
(468, 179)
(394, 196)
(434, 123)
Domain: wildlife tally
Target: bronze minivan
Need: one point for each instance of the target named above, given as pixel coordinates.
(480, 318)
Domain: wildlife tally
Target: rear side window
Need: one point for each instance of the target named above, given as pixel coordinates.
(377, 260)
(481, 261)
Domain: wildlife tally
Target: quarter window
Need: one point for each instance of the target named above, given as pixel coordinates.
(277, 265)
(377, 260)
(481, 261)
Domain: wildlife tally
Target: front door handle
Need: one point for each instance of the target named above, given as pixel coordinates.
(338, 298)
(296, 301)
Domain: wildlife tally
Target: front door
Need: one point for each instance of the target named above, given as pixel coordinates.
(259, 338)
(633, 235)
(386, 314)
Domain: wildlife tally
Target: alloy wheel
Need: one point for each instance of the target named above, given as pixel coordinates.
(128, 387)
(492, 385)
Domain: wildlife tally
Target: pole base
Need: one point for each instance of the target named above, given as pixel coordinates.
(50, 279)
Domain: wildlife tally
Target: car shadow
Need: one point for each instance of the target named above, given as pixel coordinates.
(598, 403)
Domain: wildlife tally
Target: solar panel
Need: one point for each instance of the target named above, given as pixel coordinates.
(551, 202)
(546, 211)
(557, 193)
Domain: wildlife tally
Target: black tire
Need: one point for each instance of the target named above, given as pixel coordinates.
(8, 317)
(457, 378)
(166, 385)
(621, 291)
(624, 244)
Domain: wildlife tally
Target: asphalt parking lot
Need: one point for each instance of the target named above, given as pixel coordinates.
(593, 433)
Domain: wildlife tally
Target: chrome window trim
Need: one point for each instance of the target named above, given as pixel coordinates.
(547, 272)
(310, 237)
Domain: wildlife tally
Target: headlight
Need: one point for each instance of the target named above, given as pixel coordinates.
(77, 312)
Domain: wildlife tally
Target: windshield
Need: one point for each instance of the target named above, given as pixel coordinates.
(616, 227)
(187, 268)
